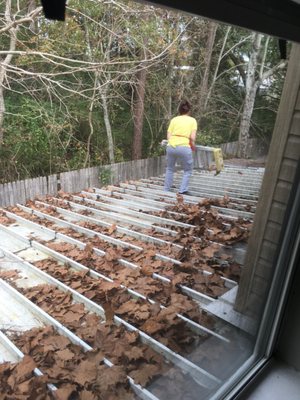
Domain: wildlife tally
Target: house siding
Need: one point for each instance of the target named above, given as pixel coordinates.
(279, 177)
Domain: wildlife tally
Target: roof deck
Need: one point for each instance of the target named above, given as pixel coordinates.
(134, 259)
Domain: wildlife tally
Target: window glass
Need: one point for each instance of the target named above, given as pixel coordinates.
(146, 278)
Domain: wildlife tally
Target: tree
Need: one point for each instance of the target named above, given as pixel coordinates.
(85, 91)
(255, 76)
(203, 95)
(138, 108)
(10, 29)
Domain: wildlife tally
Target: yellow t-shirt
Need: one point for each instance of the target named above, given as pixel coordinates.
(181, 128)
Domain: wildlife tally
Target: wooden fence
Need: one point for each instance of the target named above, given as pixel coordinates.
(255, 148)
(73, 181)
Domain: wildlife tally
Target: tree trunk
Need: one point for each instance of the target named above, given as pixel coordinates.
(138, 113)
(103, 95)
(138, 107)
(170, 87)
(107, 126)
(212, 29)
(2, 111)
(250, 94)
(215, 75)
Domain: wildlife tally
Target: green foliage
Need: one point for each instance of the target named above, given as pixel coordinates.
(105, 176)
(37, 140)
(49, 126)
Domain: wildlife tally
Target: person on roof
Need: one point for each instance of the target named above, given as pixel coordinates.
(181, 141)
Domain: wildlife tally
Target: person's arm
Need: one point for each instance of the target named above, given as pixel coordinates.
(169, 134)
(193, 138)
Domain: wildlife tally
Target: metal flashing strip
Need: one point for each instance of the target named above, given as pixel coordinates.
(78, 228)
(131, 233)
(206, 182)
(228, 283)
(171, 196)
(200, 375)
(119, 229)
(228, 213)
(204, 185)
(209, 181)
(18, 355)
(15, 353)
(133, 202)
(42, 316)
(91, 233)
(195, 192)
(198, 328)
(171, 231)
(237, 177)
(90, 305)
(199, 296)
(116, 217)
(48, 320)
(139, 214)
(190, 199)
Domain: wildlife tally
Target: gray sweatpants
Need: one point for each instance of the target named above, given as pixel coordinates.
(184, 155)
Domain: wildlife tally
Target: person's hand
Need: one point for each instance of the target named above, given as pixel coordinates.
(164, 143)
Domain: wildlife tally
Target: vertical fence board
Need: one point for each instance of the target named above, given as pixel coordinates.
(94, 176)
(22, 192)
(52, 183)
(66, 181)
(6, 195)
(1, 195)
(10, 194)
(17, 193)
(27, 189)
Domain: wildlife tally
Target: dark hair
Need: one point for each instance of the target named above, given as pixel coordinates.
(184, 107)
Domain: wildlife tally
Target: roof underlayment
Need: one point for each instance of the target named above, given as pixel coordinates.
(127, 291)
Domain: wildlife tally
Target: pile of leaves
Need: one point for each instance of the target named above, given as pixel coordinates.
(163, 324)
(76, 374)
(17, 381)
(4, 220)
(123, 348)
(208, 224)
(198, 252)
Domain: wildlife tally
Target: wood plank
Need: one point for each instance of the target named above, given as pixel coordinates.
(295, 127)
(268, 251)
(282, 191)
(287, 170)
(260, 286)
(273, 230)
(52, 183)
(21, 185)
(292, 150)
(2, 195)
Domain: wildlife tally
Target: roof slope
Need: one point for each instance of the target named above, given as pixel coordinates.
(139, 279)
